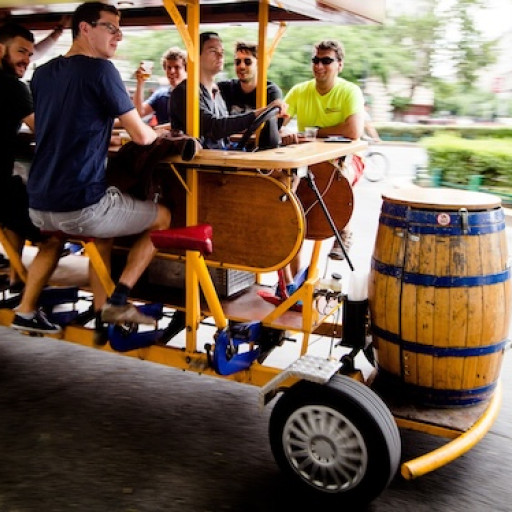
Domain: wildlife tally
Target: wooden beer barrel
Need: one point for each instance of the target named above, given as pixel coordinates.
(439, 294)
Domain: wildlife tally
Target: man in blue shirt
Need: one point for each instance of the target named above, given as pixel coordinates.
(67, 183)
(174, 62)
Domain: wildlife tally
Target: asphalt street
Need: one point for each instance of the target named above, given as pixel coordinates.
(83, 430)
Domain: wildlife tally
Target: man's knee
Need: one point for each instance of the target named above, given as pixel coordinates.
(163, 218)
(52, 245)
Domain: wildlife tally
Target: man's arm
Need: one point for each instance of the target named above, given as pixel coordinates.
(219, 126)
(352, 127)
(44, 45)
(143, 108)
(140, 132)
(29, 121)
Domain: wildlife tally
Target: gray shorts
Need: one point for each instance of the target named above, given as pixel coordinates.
(115, 214)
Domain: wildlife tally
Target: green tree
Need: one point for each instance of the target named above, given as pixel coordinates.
(410, 45)
(470, 52)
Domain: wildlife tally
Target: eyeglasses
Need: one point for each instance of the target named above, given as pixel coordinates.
(247, 62)
(324, 60)
(111, 29)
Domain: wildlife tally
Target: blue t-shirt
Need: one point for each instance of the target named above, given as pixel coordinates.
(75, 102)
(159, 102)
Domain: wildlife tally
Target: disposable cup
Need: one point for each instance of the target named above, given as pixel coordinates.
(310, 132)
(147, 68)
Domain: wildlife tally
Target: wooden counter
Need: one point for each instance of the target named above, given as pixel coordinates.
(286, 157)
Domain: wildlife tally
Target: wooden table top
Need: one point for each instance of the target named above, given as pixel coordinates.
(286, 157)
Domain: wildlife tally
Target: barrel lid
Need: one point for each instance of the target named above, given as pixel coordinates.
(445, 198)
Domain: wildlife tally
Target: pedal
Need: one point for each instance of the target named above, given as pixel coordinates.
(226, 356)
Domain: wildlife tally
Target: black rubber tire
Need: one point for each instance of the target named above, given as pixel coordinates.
(376, 166)
(353, 462)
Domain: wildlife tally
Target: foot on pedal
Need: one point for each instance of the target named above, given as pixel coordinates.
(127, 313)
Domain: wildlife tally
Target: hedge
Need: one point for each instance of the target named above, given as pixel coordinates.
(414, 132)
(455, 160)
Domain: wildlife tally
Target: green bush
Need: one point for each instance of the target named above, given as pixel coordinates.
(457, 159)
(414, 132)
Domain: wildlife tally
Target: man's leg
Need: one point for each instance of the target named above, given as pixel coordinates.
(17, 243)
(27, 317)
(139, 257)
(39, 273)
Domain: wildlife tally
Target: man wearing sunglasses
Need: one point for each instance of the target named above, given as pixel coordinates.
(240, 93)
(331, 103)
(76, 99)
(216, 123)
(328, 101)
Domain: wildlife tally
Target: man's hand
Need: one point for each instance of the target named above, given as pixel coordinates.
(288, 137)
(276, 103)
(141, 75)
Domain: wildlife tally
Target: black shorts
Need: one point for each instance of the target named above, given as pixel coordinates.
(14, 209)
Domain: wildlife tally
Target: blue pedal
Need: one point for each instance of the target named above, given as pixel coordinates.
(226, 356)
(124, 339)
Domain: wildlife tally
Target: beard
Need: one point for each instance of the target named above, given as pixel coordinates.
(7, 65)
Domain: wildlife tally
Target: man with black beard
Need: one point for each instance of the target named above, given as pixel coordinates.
(16, 49)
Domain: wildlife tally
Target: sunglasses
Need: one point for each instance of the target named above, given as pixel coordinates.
(324, 60)
(247, 62)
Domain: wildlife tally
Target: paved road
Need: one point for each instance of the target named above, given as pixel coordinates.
(84, 430)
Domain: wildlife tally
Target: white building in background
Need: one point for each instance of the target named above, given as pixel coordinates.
(380, 96)
(497, 78)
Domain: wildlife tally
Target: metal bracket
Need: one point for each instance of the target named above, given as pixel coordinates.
(307, 367)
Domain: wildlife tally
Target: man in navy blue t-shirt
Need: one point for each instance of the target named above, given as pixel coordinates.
(76, 98)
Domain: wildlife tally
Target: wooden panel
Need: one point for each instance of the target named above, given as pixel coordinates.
(253, 227)
(337, 195)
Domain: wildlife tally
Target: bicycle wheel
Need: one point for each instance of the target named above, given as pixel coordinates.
(376, 166)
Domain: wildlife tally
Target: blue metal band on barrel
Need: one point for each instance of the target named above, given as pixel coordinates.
(430, 350)
(426, 222)
(442, 397)
(440, 281)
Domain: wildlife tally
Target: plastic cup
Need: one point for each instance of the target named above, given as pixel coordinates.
(147, 68)
(310, 132)
(125, 137)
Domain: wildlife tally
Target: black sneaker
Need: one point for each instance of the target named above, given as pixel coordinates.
(38, 323)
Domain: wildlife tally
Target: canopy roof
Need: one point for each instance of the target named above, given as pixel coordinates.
(37, 15)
